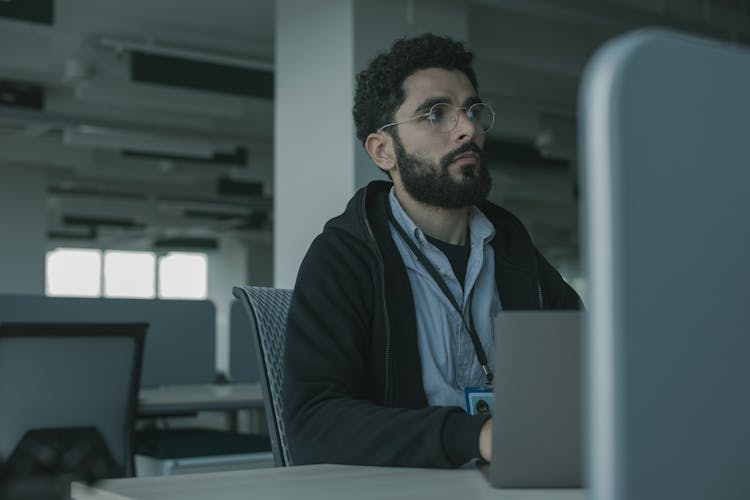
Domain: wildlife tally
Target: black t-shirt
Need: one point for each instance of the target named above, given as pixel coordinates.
(458, 255)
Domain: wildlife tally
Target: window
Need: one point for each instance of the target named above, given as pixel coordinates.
(183, 276)
(74, 272)
(129, 274)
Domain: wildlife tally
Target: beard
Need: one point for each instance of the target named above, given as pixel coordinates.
(432, 184)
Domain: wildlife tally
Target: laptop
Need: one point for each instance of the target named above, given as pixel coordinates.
(536, 424)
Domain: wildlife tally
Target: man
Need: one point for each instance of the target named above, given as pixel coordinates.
(392, 312)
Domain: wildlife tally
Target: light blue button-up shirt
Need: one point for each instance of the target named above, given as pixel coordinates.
(449, 362)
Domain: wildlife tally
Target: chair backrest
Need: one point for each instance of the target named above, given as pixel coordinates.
(243, 356)
(268, 308)
(57, 376)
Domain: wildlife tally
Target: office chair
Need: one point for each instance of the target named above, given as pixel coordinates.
(243, 360)
(268, 308)
(67, 389)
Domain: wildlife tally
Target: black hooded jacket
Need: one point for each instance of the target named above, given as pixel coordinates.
(353, 389)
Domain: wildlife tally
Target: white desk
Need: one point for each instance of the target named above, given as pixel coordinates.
(175, 400)
(198, 397)
(329, 482)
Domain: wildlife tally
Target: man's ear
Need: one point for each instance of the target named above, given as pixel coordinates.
(379, 146)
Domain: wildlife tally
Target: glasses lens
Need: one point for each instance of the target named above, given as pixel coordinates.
(482, 115)
(443, 117)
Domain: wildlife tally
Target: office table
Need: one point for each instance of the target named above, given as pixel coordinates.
(329, 482)
(175, 400)
(198, 397)
(187, 400)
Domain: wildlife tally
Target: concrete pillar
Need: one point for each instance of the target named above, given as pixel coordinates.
(227, 267)
(320, 46)
(314, 154)
(23, 229)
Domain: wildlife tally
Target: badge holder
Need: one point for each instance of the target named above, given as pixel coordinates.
(479, 400)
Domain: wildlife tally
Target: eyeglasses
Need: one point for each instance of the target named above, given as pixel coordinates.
(444, 117)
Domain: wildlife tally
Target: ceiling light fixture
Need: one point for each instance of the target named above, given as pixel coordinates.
(164, 49)
(105, 138)
(155, 97)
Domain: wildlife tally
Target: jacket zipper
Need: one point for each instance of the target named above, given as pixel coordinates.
(539, 294)
(366, 224)
(538, 276)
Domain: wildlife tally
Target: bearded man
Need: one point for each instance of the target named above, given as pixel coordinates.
(392, 314)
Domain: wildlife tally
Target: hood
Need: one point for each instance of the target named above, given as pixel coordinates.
(362, 212)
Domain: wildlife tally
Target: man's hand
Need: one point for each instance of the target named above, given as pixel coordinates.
(485, 441)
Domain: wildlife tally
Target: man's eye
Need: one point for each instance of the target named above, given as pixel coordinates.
(437, 114)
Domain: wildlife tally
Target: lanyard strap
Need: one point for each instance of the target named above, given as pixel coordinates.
(422, 258)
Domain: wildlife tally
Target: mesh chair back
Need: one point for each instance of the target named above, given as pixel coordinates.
(56, 376)
(268, 308)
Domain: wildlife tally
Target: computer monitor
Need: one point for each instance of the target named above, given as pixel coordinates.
(665, 133)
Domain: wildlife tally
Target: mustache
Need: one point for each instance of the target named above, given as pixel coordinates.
(467, 147)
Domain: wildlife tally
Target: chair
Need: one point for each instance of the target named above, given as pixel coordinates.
(268, 308)
(243, 360)
(63, 382)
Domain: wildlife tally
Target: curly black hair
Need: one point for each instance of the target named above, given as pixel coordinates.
(380, 88)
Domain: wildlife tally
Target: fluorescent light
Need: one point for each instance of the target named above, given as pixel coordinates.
(122, 45)
(154, 97)
(99, 137)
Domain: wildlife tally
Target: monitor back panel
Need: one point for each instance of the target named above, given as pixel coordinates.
(666, 185)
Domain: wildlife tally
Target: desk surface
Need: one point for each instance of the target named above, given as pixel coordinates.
(198, 397)
(332, 482)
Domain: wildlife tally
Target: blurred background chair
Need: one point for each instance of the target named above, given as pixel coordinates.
(267, 309)
(69, 394)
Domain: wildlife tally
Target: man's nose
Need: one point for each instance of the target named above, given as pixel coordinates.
(465, 126)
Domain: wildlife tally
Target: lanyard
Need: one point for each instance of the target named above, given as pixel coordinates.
(422, 258)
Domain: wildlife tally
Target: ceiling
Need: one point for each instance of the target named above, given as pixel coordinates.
(137, 148)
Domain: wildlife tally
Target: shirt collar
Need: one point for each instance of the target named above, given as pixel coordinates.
(481, 229)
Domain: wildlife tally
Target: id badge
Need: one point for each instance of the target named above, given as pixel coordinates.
(479, 400)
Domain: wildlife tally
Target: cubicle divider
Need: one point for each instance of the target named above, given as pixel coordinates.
(243, 359)
(181, 341)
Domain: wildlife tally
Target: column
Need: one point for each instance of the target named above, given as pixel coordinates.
(23, 229)
(227, 267)
(319, 163)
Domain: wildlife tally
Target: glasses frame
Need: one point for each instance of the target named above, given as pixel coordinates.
(466, 110)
